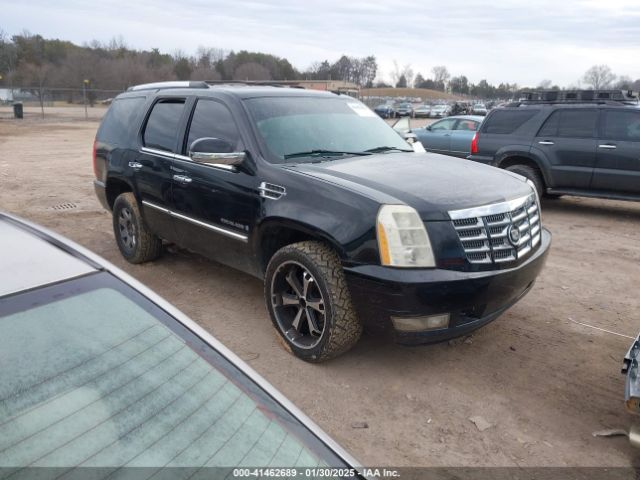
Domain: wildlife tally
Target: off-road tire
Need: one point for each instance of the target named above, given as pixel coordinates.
(147, 245)
(342, 327)
(530, 173)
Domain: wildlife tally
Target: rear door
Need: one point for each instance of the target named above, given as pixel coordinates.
(568, 140)
(152, 167)
(618, 154)
(215, 206)
(437, 138)
(461, 137)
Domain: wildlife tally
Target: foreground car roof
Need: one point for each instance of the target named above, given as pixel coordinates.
(30, 261)
(32, 244)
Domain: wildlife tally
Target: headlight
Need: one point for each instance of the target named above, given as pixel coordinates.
(535, 190)
(402, 238)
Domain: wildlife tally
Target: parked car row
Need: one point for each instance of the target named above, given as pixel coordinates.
(395, 110)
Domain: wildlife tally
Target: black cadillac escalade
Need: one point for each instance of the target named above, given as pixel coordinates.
(312, 192)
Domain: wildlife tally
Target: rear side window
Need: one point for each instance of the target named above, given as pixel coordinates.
(212, 119)
(622, 125)
(119, 120)
(507, 121)
(161, 131)
(570, 123)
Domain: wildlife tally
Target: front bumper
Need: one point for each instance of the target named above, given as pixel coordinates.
(473, 299)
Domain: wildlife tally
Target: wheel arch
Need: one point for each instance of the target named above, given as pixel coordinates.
(275, 233)
(510, 159)
(114, 187)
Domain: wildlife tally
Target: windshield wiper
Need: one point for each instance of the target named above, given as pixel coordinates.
(386, 149)
(323, 153)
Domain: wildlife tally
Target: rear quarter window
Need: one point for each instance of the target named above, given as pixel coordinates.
(119, 120)
(507, 121)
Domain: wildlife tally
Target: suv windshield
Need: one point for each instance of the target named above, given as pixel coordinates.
(93, 374)
(293, 126)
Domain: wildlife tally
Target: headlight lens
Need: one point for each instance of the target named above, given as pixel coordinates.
(535, 190)
(402, 238)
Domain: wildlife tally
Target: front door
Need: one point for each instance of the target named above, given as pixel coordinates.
(618, 156)
(152, 164)
(568, 141)
(215, 206)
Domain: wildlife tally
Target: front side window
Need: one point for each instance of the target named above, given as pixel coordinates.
(291, 125)
(212, 119)
(443, 125)
(95, 375)
(161, 131)
(622, 125)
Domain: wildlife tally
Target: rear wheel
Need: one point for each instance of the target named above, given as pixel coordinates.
(309, 303)
(530, 173)
(136, 242)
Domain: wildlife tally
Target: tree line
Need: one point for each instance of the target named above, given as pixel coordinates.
(31, 60)
(596, 77)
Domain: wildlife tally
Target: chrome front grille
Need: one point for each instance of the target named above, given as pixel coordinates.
(502, 232)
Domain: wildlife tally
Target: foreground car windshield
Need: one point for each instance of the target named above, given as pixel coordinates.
(95, 375)
(291, 125)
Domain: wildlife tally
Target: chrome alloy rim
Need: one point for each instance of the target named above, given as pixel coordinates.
(298, 304)
(127, 229)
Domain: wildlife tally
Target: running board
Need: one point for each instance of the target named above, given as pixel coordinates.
(595, 194)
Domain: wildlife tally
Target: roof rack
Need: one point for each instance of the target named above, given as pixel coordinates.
(163, 85)
(614, 97)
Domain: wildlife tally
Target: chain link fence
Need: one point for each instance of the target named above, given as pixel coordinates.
(55, 103)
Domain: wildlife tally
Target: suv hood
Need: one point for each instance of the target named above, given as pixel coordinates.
(432, 184)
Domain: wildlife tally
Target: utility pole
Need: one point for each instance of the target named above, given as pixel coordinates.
(84, 98)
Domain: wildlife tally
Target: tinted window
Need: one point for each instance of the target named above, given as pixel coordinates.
(577, 123)
(119, 120)
(507, 121)
(550, 127)
(212, 119)
(443, 125)
(161, 131)
(93, 374)
(622, 125)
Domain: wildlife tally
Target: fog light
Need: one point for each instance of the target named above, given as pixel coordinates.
(421, 324)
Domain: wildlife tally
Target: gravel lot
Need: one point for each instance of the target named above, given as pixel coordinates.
(542, 382)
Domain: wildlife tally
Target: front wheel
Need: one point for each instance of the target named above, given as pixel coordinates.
(530, 173)
(309, 303)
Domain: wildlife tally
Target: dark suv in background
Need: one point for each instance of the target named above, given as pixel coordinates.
(318, 196)
(567, 143)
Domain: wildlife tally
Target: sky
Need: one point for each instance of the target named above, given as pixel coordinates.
(502, 41)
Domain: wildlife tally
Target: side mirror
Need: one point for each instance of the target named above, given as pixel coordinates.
(402, 125)
(428, 127)
(214, 151)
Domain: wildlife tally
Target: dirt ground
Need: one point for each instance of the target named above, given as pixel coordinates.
(542, 382)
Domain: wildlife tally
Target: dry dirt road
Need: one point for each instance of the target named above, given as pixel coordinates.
(543, 382)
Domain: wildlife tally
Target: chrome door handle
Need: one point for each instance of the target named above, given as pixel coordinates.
(182, 179)
(546, 142)
(135, 165)
(610, 147)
